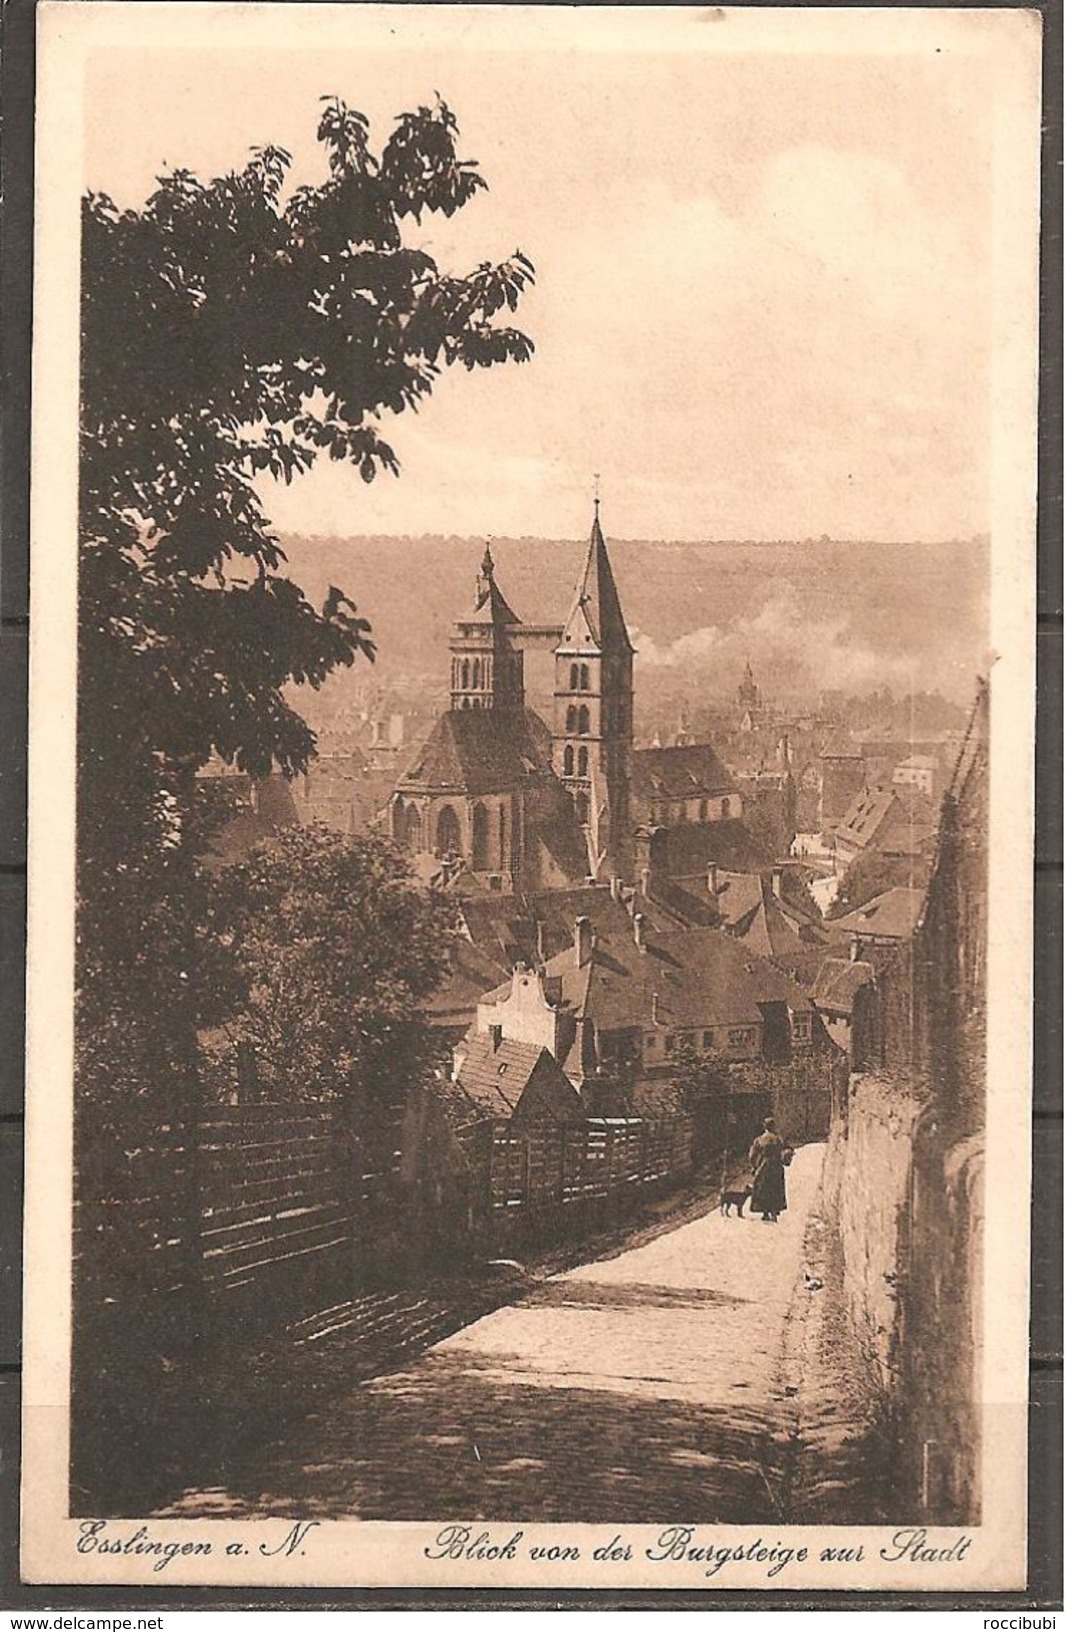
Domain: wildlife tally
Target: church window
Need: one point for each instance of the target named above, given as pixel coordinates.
(574, 677)
(567, 760)
(582, 762)
(448, 833)
(480, 839)
(584, 677)
(583, 719)
(571, 719)
(581, 803)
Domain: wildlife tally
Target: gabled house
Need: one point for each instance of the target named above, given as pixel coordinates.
(893, 821)
(505, 1080)
(631, 1000)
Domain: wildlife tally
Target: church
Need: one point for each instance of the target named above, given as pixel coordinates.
(521, 806)
(517, 806)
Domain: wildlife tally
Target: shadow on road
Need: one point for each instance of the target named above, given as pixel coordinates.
(572, 1294)
(461, 1438)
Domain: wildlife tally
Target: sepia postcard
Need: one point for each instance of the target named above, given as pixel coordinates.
(531, 816)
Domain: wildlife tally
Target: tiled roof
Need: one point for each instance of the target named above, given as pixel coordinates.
(897, 819)
(690, 846)
(480, 750)
(701, 977)
(494, 1078)
(893, 915)
(679, 773)
(838, 981)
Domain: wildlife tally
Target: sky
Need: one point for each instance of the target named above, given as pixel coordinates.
(763, 275)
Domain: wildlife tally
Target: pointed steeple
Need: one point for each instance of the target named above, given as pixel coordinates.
(596, 620)
(490, 604)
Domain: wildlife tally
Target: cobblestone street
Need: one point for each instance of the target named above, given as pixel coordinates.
(651, 1384)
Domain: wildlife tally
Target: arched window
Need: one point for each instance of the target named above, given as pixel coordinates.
(465, 674)
(581, 806)
(480, 839)
(582, 762)
(582, 720)
(726, 809)
(584, 677)
(448, 833)
(571, 718)
(408, 826)
(567, 760)
(574, 677)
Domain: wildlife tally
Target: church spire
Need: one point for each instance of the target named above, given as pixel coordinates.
(596, 621)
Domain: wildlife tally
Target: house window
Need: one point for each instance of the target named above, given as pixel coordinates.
(703, 810)
(708, 1039)
(668, 1042)
(726, 808)
(465, 673)
(740, 1037)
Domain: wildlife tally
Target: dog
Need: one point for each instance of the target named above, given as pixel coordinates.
(735, 1198)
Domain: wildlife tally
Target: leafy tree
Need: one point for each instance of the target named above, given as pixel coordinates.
(231, 329)
(334, 948)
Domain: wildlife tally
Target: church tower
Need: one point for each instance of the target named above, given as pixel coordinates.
(592, 738)
(487, 663)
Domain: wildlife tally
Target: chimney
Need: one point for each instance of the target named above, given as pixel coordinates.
(655, 1015)
(639, 930)
(582, 941)
(778, 874)
(495, 1037)
(711, 878)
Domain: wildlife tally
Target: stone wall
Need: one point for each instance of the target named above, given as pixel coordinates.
(908, 1197)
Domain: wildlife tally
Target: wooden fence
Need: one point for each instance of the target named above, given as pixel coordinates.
(554, 1179)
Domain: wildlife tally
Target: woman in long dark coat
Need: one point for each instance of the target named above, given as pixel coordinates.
(767, 1174)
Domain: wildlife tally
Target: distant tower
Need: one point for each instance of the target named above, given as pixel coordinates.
(487, 664)
(593, 711)
(747, 696)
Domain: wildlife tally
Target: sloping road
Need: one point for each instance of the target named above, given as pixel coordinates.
(644, 1387)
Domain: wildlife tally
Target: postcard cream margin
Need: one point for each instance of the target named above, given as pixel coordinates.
(341, 1553)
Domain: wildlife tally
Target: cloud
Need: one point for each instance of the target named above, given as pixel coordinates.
(797, 652)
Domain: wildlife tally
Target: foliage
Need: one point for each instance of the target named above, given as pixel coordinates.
(696, 1074)
(335, 948)
(234, 331)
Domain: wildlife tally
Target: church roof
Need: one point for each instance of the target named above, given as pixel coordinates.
(596, 620)
(480, 750)
(679, 773)
(491, 606)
